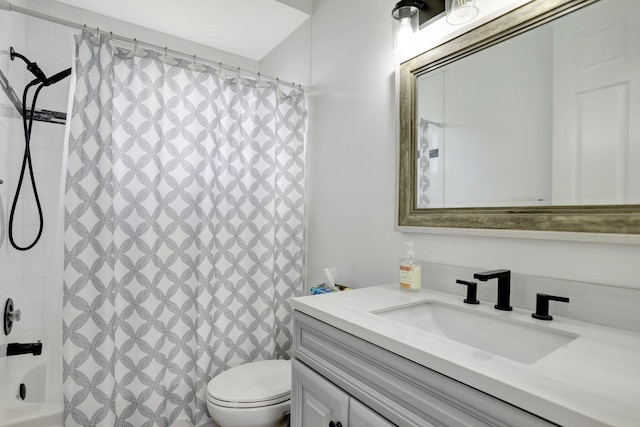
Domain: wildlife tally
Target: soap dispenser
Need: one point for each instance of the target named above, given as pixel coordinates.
(410, 280)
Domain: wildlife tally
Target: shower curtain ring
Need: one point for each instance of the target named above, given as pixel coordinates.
(258, 77)
(238, 72)
(194, 60)
(98, 32)
(165, 53)
(110, 35)
(220, 66)
(135, 44)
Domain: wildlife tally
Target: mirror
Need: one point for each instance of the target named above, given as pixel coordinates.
(526, 123)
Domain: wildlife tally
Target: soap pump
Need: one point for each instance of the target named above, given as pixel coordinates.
(410, 280)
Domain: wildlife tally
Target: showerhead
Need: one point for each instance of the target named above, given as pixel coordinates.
(41, 77)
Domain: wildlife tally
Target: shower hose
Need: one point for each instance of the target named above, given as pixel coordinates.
(26, 163)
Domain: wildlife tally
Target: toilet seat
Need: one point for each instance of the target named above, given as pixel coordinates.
(227, 404)
(252, 385)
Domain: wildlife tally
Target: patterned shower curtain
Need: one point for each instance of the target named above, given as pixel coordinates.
(423, 165)
(183, 232)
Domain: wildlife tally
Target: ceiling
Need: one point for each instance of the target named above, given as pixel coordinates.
(249, 28)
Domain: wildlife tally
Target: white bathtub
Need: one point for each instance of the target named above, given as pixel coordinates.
(34, 410)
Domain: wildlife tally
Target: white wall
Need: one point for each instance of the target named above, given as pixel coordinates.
(352, 171)
(33, 278)
(289, 61)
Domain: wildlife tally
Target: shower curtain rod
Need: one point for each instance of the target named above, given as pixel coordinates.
(5, 5)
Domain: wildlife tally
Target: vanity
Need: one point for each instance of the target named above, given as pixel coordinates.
(378, 357)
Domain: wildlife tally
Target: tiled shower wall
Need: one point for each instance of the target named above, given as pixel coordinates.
(29, 277)
(33, 278)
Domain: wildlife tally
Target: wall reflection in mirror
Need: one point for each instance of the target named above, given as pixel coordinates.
(545, 118)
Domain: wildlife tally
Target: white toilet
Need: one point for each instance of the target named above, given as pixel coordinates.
(256, 394)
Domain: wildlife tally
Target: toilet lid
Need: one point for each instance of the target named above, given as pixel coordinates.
(253, 382)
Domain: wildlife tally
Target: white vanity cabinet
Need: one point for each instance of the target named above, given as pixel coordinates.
(316, 402)
(342, 378)
(361, 416)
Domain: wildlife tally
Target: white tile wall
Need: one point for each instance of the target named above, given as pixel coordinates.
(26, 274)
(11, 33)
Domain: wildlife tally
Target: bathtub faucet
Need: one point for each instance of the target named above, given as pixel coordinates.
(14, 349)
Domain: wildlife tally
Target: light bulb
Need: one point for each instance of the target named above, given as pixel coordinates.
(405, 36)
(405, 25)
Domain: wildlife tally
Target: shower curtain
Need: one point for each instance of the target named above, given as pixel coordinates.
(423, 165)
(183, 232)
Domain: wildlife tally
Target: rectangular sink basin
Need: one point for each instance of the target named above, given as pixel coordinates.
(509, 338)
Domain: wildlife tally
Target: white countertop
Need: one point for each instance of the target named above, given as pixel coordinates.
(593, 380)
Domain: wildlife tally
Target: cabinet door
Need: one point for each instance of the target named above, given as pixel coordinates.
(362, 416)
(315, 402)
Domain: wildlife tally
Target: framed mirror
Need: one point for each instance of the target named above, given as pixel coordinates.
(529, 122)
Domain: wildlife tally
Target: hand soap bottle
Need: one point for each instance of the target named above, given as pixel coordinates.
(410, 280)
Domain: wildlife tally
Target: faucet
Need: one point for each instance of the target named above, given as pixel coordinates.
(504, 286)
(14, 349)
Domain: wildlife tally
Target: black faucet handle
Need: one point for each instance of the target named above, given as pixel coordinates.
(542, 306)
(472, 289)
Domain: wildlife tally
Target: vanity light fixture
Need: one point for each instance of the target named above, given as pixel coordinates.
(408, 16)
(461, 11)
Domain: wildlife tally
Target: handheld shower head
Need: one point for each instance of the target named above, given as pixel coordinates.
(57, 77)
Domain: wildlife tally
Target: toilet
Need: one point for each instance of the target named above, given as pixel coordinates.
(256, 394)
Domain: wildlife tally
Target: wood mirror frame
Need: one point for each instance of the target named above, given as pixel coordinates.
(616, 219)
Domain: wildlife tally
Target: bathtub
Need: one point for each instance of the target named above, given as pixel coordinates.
(34, 410)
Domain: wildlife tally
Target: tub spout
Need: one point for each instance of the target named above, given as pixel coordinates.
(14, 349)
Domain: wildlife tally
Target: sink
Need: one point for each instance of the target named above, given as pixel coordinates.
(496, 334)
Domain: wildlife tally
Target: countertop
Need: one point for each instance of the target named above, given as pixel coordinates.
(593, 380)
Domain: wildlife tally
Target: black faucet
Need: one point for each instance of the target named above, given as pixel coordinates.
(15, 349)
(504, 286)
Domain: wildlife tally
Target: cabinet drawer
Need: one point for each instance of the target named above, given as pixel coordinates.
(404, 392)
